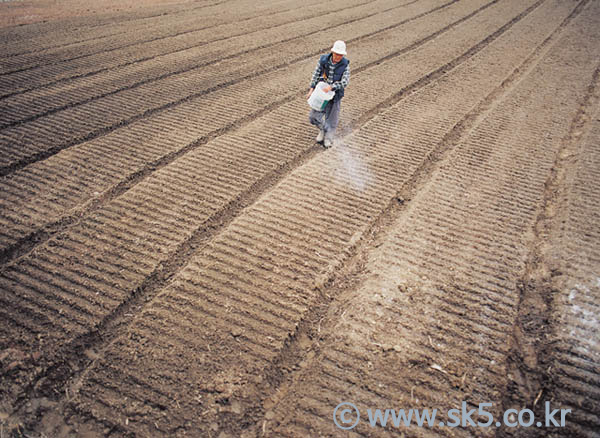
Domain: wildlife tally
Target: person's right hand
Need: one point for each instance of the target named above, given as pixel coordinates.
(310, 92)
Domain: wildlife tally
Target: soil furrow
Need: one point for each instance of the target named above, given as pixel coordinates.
(123, 42)
(64, 33)
(566, 292)
(398, 294)
(129, 104)
(154, 59)
(204, 271)
(102, 196)
(311, 170)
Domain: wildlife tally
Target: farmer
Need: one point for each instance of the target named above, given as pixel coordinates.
(333, 69)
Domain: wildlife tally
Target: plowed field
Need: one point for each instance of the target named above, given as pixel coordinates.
(179, 258)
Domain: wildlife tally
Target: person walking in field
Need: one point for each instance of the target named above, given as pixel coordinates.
(333, 69)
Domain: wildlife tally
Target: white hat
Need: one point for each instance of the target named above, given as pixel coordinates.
(339, 47)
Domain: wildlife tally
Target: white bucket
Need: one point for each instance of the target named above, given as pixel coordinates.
(318, 100)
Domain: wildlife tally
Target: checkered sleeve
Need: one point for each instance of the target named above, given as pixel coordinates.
(343, 83)
(316, 75)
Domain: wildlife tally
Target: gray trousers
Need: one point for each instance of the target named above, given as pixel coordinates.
(327, 120)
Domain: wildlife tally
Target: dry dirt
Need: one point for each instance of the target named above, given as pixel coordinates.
(178, 258)
(21, 12)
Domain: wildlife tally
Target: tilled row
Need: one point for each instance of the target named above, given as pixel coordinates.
(94, 273)
(110, 70)
(38, 37)
(429, 326)
(148, 94)
(227, 148)
(575, 377)
(195, 21)
(209, 335)
(42, 193)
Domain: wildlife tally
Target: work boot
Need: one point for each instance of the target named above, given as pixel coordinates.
(328, 143)
(321, 136)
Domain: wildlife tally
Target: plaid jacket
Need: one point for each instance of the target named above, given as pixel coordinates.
(337, 75)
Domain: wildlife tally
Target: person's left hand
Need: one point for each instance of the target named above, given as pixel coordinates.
(327, 89)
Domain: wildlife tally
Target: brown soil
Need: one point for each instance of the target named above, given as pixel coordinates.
(179, 258)
(20, 12)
